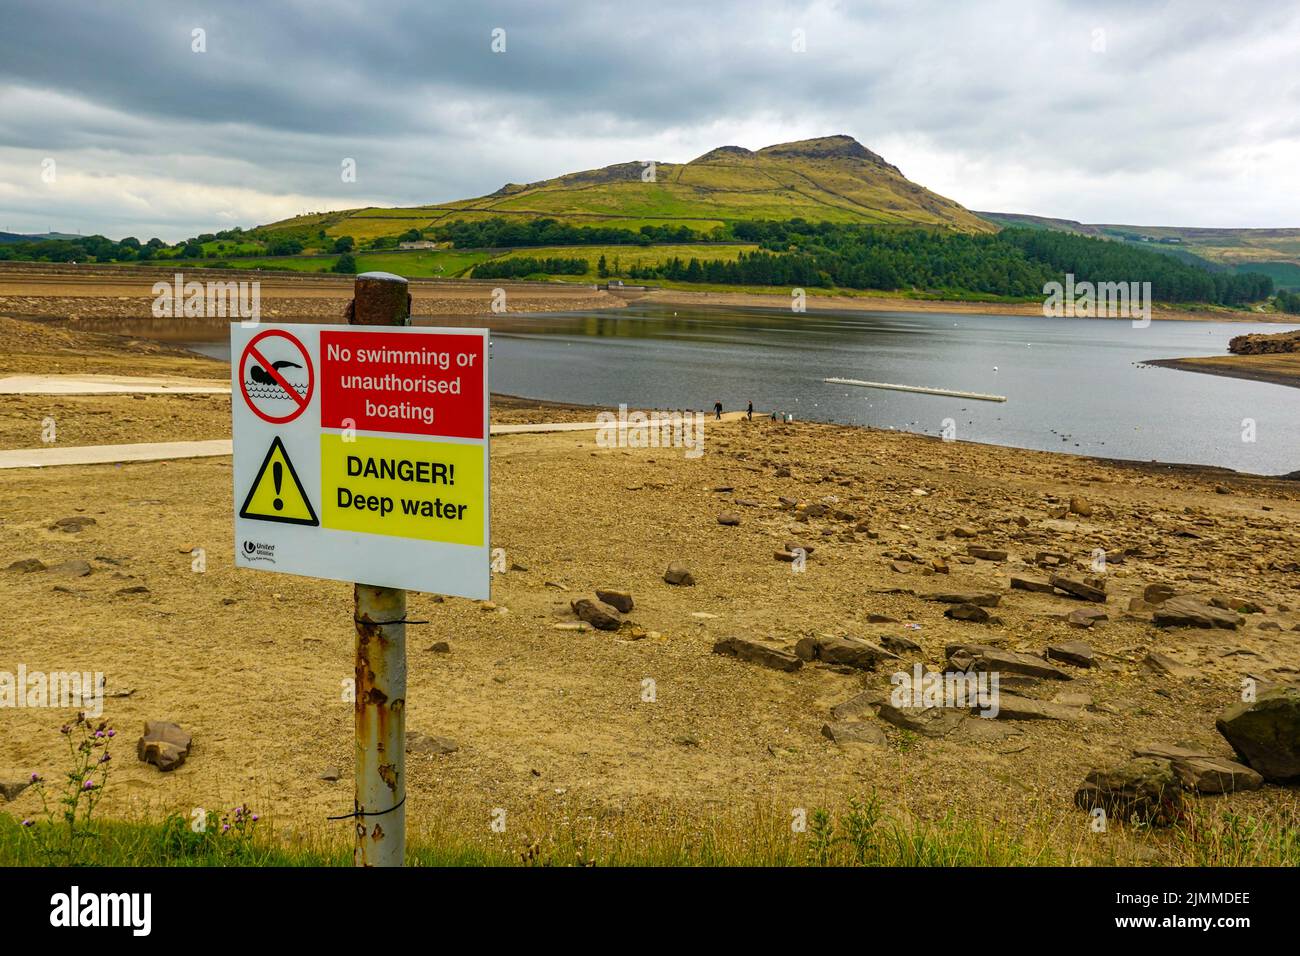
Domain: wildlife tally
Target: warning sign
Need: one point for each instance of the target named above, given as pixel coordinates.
(276, 376)
(361, 454)
(277, 494)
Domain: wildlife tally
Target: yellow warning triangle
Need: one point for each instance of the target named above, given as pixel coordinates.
(277, 494)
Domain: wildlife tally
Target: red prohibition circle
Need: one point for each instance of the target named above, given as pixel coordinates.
(302, 400)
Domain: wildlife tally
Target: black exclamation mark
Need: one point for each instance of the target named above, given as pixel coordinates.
(277, 475)
(451, 474)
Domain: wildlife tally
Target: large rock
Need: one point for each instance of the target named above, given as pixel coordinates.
(679, 574)
(1077, 653)
(1144, 790)
(1266, 732)
(756, 652)
(13, 783)
(163, 744)
(967, 612)
(620, 600)
(900, 645)
(929, 721)
(27, 565)
(418, 743)
(1185, 610)
(1203, 772)
(986, 554)
(855, 732)
(597, 613)
(865, 702)
(1092, 590)
(978, 598)
(980, 657)
(1158, 593)
(844, 651)
(1167, 666)
(1022, 583)
(1012, 707)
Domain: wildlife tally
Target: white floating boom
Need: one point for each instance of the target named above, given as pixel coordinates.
(917, 388)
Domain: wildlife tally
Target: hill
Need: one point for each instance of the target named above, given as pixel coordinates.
(834, 178)
(1273, 252)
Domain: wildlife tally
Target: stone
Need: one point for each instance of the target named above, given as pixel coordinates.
(1158, 593)
(986, 554)
(1013, 707)
(73, 524)
(597, 613)
(1167, 666)
(440, 647)
(756, 652)
(332, 775)
(619, 600)
(1145, 790)
(728, 519)
(981, 657)
(1076, 653)
(418, 743)
(1019, 583)
(978, 598)
(931, 722)
(13, 783)
(1240, 605)
(27, 565)
(967, 612)
(1086, 617)
(881, 619)
(865, 702)
(1137, 605)
(1081, 507)
(899, 645)
(1186, 610)
(842, 651)
(855, 732)
(902, 567)
(678, 574)
(1265, 733)
(74, 568)
(163, 744)
(965, 531)
(1086, 590)
(1203, 772)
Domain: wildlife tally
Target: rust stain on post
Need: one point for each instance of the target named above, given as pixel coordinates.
(380, 707)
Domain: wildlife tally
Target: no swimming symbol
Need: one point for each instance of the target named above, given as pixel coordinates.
(277, 493)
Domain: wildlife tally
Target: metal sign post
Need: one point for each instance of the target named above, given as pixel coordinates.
(380, 298)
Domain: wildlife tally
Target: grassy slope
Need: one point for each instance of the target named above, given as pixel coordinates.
(1274, 251)
(833, 178)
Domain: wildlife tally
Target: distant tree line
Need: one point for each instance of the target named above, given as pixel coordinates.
(1288, 302)
(516, 268)
(499, 233)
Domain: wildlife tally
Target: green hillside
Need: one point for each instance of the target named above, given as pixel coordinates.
(834, 179)
(1275, 252)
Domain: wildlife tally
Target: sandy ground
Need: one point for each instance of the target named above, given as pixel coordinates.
(252, 663)
(1280, 369)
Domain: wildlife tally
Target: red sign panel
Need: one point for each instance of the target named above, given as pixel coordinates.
(425, 384)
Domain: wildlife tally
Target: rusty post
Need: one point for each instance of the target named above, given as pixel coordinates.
(380, 298)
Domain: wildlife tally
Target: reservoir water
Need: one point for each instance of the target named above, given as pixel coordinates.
(1073, 385)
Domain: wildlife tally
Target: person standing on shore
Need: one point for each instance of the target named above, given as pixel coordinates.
(717, 411)
(749, 412)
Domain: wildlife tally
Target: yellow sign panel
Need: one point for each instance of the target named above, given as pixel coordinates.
(277, 494)
(408, 489)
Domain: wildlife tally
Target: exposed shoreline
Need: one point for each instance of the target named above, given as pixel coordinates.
(1283, 369)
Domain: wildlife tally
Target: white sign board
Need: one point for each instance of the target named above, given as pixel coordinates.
(361, 454)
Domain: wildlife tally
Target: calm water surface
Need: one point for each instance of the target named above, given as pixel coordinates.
(1073, 385)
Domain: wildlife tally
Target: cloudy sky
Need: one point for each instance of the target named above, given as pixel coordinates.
(1134, 112)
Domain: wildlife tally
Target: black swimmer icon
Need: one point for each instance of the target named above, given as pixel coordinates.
(262, 377)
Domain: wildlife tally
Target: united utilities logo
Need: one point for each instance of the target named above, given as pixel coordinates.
(258, 551)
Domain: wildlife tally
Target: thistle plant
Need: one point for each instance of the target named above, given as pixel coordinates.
(69, 806)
